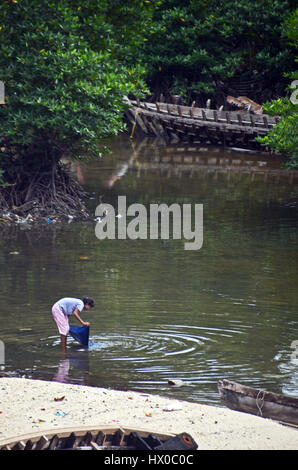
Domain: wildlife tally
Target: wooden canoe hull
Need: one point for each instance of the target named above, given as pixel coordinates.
(259, 402)
(98, 438)
(186, 122)
(52, 439)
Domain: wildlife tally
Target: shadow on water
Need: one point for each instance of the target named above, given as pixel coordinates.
(226, 310)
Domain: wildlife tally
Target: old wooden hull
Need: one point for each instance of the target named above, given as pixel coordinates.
(98, 438)
(259, 402)
(208, 125)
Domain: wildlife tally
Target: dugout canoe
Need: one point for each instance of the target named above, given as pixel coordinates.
(98, 438)
(259, 402)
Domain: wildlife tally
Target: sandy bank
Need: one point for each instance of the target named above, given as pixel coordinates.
(29, 406)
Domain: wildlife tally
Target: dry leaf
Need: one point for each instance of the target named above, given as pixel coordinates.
(59, 399)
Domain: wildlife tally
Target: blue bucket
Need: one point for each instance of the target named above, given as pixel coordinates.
(80, 334)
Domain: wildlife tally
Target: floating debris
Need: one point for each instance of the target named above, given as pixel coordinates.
(176, 383)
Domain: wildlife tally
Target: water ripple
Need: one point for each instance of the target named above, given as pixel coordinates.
(150, 358)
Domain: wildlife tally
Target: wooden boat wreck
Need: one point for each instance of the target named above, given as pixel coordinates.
(99, 438)
(259, 402)
(194, 124)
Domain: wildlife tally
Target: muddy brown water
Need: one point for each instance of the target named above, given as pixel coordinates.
(227, 310)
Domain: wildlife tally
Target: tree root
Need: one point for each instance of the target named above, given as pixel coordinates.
(43, 196)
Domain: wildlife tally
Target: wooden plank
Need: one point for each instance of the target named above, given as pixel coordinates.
(118, 437)
(173, 120)
(29, 445)
(239, 117)
(94, 446)
(43, 442)
(21, 445)
(54, 442)
(246, 117)
(100, 438)
(137, 116)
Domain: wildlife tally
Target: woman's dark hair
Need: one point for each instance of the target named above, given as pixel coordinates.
(87, 300)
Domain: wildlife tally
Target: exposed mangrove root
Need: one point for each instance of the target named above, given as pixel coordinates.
(43, 195)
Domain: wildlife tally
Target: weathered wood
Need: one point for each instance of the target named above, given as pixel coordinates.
(206, 123)
(229, 127)
(260, 402)
(138, 119)
(42, 443)
(108, 437)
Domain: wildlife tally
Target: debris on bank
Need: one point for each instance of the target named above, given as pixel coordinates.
(17, 216)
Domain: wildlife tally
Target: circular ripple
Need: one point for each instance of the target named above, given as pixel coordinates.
(147, 346)
(146, 360)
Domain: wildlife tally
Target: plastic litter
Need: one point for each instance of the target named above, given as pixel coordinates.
(80, 334)
(172, 407)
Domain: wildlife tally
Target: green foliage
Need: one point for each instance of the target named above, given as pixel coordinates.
(194, 44)
(284, 137)
(292, 28)
(65, 75)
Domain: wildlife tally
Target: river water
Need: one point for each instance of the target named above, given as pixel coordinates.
(227, 310)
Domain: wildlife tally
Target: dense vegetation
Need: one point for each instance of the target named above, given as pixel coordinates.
(65, 75)
(198, 48)
(284, 137)
(66, 66)
(207, 49)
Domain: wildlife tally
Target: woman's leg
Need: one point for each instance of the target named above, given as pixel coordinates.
(62, 323)
(63, 342)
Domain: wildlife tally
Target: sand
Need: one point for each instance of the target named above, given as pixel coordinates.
(29, 406)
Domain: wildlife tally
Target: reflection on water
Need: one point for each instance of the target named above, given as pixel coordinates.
(227, 310)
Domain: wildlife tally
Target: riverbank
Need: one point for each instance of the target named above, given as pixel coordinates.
(28, 406)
